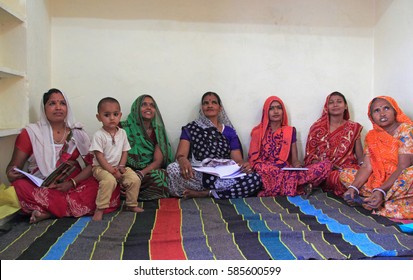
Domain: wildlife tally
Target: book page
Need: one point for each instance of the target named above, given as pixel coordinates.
(223, 171)
(34, 179)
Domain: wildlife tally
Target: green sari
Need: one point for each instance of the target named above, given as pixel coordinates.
(154, 184)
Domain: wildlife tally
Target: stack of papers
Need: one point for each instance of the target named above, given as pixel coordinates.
(222, 171)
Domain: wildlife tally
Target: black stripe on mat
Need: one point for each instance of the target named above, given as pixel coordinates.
(42, 244)
(379, 219)
(136, 246)
(246, 240)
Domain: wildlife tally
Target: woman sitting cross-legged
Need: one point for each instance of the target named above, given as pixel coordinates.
(384, 183)
(273, 147)
(211, 136)
(54, 140)
(336, 138)
(150, 151)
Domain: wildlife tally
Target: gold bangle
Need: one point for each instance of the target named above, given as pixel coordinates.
(74, 182)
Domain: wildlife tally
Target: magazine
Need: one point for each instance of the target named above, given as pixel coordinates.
(58, 176)
(222, 171)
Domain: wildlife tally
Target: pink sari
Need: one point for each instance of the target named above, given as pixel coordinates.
(270, 151)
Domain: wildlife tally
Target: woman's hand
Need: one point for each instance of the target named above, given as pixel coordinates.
(63, 187)
(349, 195)
(13, 175)
(375, 200)
(245, 167)
(186, 168)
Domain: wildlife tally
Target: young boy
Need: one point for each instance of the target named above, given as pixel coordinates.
(110, 146)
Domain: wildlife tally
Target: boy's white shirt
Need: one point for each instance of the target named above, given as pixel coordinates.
(102, 142)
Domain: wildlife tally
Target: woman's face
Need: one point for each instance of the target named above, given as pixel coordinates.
(336, 106)
(148, 110)
(383, 113)
(210, 106)
(275, 112)
(56, 108)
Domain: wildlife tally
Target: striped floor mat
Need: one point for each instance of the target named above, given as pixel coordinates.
(284, 228)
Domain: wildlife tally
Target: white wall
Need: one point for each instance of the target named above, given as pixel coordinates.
(393, 59)
(300, 50)
(245, 50)
(37, 73)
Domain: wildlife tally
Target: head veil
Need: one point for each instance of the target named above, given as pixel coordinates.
(204, 122)
(382, 146)
(259, 131)
(142, 148)
(320, 129)
(41, 137)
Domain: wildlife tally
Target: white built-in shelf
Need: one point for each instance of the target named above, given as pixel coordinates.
(7, 13)
(6, 72)
(9, 132)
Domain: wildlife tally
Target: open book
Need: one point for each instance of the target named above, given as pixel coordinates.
(222, 171)
(58, 176)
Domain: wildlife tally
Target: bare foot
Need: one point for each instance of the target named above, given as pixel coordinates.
(191, 193)
(98, 215)
(38, 216)
(135, 209)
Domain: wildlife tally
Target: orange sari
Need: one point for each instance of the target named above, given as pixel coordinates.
(383, 150)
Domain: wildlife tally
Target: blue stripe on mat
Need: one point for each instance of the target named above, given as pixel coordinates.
(269, 239)
(57, 251)
(360, 240)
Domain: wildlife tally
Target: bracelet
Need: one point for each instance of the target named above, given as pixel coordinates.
(179, 157)
(140, 174)
(354, 188)
(382, 191)
(73, 182)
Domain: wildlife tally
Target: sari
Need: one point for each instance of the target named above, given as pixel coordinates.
(337, 146)
(207, 142)
(36, 140)
(383, 150)
(269, 153)
(155, 183)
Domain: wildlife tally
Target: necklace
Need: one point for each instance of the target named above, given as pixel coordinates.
(113, 137)
(61, 140)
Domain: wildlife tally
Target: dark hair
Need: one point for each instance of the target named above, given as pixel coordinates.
(107, 100)
(211, 93)
(336, 93)
(47, 94)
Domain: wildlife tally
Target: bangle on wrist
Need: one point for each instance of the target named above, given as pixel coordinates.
(73, 182)
(354, 188)
(382, 191)
(179, 157)
(140, 174)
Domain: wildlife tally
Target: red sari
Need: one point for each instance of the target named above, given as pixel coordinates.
(270, 151)
(76, 202)
(337, 146)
